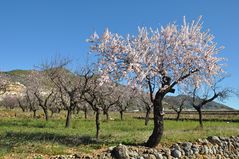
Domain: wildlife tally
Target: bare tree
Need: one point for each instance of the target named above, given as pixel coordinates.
(39, 88)
(83, 106)
(31, 102)
(177, 104)
(99, 96)
(68, 86)
(92, 97)
(126, 96)
(201, 96)
(71, 86)
(108, 98)
(45, 101)
(148, 105)
(22, 103)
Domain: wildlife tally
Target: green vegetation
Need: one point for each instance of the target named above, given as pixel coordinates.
(18, 72)
(24, 136)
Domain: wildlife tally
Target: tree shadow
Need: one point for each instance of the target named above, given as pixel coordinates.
(19, 137)
(23, 124)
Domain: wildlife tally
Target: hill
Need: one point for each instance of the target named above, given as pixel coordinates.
(188, 106)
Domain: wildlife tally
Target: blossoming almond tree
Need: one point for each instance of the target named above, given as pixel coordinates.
(158, 58)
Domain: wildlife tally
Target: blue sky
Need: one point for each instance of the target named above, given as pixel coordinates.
(33, 31)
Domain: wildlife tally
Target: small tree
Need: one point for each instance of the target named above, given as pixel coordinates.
(40, 85)
(165, 57)
(31, 102)
(97, 97)
(108, 99)
(45, 100)
(84, 106)
(177, 104)
(22, 103)
(93, 97)
(71, 86)
(68, 86)
(202, 95)
(148, 106)
(125, 99)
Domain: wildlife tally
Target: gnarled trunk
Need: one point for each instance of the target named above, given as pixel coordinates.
(23, 109)
(45, 113)
(68, 118)
(97, 122)
(52, 112)
(178, 115)
(121, 115)
(106, 113)
(199, 110)
(85, 112)
(34, 114)
(157, 134)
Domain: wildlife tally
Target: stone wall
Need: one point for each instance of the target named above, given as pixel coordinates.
(211, 148)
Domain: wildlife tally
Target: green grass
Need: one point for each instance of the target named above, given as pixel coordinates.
(24, 136)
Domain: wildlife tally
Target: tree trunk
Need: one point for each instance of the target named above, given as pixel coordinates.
(68, 118)
(34, 114)
(77, 111)
(97, 122)
(107, 115)
(85, 113)
(46, 114)
(178, 115)
(52, 112)
(147, 116)
(21, 106)
(23, 110)
(200, 116)
(157, 134)
(121, 115)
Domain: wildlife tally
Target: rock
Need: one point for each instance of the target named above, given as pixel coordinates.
(150, 156)
(205, 142)
(176, 147)
(218, 156)
(133, 154)
(189, 153)
(176, 153)
(167, 151)
(120, 152)
(205, 150)
(159, 156)
(76, 156)
(195, 150)
(111, 148)
(187, 144)
(214, 140)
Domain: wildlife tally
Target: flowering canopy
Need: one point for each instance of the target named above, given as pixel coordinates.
(180, 53)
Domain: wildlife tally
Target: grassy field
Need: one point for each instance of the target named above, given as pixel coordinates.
(22, 136)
